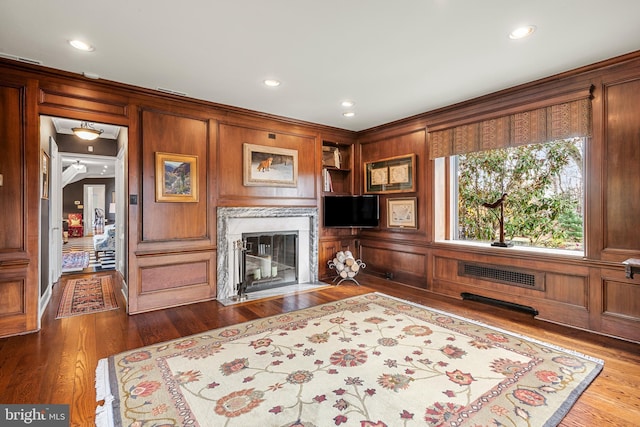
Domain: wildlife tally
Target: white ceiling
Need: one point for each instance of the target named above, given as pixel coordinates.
(393, 58)
(96, 166)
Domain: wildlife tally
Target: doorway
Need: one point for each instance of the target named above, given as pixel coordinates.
(97, 172)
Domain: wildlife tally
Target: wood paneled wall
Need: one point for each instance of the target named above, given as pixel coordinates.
(173, 134)
(172, 246)
(590, 292)
(231, 190)
(172, 256)
(19, 206)
(621, 165)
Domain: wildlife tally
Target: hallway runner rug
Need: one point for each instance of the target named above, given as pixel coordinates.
(87, 295)
(74, 261)
(370, 360)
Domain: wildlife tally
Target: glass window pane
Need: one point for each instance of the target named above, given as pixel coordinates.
(545, 192)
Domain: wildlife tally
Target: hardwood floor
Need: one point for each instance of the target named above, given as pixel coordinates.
(57, 365)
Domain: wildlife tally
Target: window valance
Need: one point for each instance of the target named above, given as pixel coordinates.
(558, 121)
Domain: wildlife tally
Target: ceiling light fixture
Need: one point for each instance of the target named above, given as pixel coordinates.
(80, 45)
(272, 83)
(347, 103)
(86, 131)
(522, 32)
(348, 114)
(78, 167)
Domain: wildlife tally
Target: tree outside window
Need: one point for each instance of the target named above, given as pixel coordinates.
(545, 187)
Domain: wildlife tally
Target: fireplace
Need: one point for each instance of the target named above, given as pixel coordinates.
(269, 260)
(268, 233)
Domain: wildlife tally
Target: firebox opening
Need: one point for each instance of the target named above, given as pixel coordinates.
(271, 259)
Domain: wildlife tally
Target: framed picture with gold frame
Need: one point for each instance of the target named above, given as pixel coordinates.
(401, 213)
(176, 177)
(266, 166)
(391, 175)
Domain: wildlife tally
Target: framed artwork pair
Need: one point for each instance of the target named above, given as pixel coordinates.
(392, 175)
(177, 174)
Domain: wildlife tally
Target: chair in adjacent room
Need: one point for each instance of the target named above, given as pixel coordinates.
(105, 242)
(76, 228)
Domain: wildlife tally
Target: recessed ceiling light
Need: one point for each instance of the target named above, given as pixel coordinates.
(272, 83)
(347, 103)
(522, 32)
(348, 114)
(80, 45)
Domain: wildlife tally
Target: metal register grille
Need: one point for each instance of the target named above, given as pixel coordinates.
(515, 277)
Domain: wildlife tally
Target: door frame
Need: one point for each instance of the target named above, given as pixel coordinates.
(55, 223)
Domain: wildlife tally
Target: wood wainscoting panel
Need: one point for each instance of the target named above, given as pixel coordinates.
(564, 298)
(174, 279)
(621, 309)
(159, 278)
(621, 299)
(12, 301)
(402, 263)
(568, 289)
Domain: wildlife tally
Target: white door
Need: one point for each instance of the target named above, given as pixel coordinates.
(55, 214)
(93, 199)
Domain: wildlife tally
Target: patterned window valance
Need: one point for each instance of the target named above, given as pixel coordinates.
(558, 121)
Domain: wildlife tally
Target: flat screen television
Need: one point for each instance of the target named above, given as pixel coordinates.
(351, 211)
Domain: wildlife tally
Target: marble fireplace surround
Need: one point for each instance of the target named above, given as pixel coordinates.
(233, 221)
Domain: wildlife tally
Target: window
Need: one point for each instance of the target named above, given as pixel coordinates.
(545, 192)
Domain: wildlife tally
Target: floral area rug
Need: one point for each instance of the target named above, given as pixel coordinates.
(370, 360)
(87, 295)
(74, 261)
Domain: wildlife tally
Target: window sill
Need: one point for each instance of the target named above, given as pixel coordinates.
(519, 249)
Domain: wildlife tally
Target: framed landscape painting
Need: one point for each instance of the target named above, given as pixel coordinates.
(176, 178)
(269, 166)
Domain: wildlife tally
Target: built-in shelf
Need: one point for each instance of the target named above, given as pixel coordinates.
(336, 168)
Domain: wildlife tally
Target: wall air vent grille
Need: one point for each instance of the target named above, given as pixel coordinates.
(20, 58)
(171, 91)
(509, 276)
